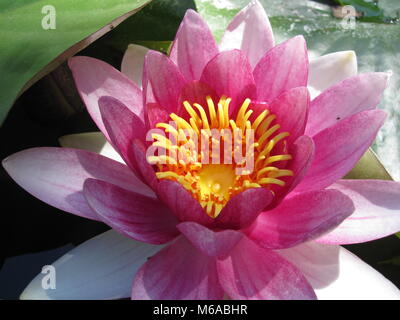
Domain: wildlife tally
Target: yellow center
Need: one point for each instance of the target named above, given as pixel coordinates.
(210, 179)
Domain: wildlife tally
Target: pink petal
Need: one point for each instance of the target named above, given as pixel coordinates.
(196, 92)
(301, 218)
(291, 109)
(251, 272)
(352, 95)
(156, 114)
(337, 274)
(338, 148)
(56, 176)
(178, 272)
(230, 74)
(213, 244)
(282, 68)
(95, 78)
(376, 215)
(182, 203)
(243, 209)
(145, 170)
(132, 214)
(194, 46)
(249, 31)
(165, 79)
(122, 127)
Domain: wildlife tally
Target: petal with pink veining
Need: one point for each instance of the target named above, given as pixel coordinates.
(291, 110)
(156, 114)
(132, 214)
(249, 31)
(338, 148)
(182, 203)
(211, 243)
(56, 176)
(194, 46)
(230, 74)
(145, 170)
(300, 218)
(376, 215)
(178, 272)
(122, 126)
(282, 68)
(251, 272)
(196, 92)
(242, 209)
(165, 79)
(95, 78)
(352, 95)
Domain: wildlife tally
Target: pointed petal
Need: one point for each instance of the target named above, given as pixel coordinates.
(192, 276)
(291, 110)
(90, 141)
(330, 69)
(134, 215)
(194, 46)
(122, 126)
(56, 176)
(353, 95)
(230, 74)
(243, 209)
(100, 268)
(301, 218)
(338, 148)
(249, 31)
(282, 68)
(132, 63)
(165, 79)
(182, 203)
(377, 213)
(337, 274)
(251, 272)
(95, 78)
(213, 244)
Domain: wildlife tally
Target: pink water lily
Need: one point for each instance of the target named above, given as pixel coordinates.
(276, 233)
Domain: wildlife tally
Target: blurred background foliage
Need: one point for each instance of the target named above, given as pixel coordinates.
(35, 234)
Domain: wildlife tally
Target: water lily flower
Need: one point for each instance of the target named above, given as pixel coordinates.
(202, 231)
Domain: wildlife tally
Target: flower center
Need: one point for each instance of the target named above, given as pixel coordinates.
(215, 157)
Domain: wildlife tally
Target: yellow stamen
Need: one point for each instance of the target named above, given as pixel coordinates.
(213, 185)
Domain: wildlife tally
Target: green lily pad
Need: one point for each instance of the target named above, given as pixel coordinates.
(37, 37)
